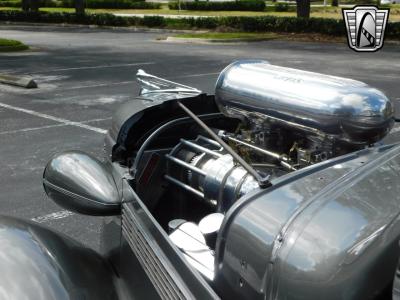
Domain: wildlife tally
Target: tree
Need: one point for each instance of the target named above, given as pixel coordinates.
(35, 5)
(30, 5)
(335, 3)
(80, 7)
(303, 8)
(25, 5)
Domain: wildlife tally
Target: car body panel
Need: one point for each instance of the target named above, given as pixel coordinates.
(163, 263)
(76, 175)
(37, 263)
(137, 118)
(307, 233)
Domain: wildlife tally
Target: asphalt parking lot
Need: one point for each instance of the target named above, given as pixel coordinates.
(84, 73)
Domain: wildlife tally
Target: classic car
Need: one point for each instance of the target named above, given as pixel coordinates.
(277, 187)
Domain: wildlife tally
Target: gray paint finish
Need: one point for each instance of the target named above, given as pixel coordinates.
(37, 263)
(323, 235)
(82, 184)
(345, 244)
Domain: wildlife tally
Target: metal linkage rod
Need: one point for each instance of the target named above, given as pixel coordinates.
(201, 148)
(262, 182)
(185, 164)
(210, 141)
(184, 186)
(282, 159)
(155, 134)
(266, 152)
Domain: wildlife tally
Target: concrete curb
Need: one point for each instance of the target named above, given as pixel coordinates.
(21, 81)
(214, 41)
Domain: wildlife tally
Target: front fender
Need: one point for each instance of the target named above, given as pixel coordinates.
(37, 263)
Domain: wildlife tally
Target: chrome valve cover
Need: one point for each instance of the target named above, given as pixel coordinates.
(337, 108)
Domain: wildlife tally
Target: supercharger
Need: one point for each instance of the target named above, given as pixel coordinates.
(290, 119)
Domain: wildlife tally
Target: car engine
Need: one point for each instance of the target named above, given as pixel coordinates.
(285, 120)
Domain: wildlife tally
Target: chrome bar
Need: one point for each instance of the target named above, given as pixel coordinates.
(282, 159)
(153, 84)
(288, 166)
(210, 141)
(185, 164)
(262, 182)
(261, 150)
(156, 133)
(201, 148)
(184, 186)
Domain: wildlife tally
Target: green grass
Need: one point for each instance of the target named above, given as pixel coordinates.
(229, 35)
(11, 45)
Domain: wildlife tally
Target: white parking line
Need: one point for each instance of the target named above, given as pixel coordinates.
(99, 85)
(53, 216)
(30, 129)
(56, 119)
(48, 126)
(99, 67)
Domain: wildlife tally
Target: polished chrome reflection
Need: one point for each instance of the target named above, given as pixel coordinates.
(190, 240)
(153, 84)
(339, 108)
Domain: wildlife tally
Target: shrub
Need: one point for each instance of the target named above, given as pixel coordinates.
(241, 5)
(281, 7)
(250, 24)
(48, 3)
(362, 2)
(153, 21)
(10, 4)
(366, 2)
(41, 3)
(118, 4)
(393, 30)
(144, 5)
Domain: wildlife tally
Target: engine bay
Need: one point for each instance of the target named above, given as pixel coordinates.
(190, 171)
(190, 184)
